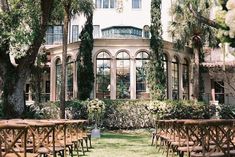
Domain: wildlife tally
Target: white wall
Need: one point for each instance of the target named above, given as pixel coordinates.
(128, 17)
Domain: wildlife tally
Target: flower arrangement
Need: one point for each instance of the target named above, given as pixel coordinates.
(96, 109)
(226, 17)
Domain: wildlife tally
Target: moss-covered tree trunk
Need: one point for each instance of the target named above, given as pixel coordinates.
(13, 96)
(14, 76)
(155, 76)
(196, 89)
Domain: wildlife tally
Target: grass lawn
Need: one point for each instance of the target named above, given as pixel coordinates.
(123, 144)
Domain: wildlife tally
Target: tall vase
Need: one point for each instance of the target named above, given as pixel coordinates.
(95, 133)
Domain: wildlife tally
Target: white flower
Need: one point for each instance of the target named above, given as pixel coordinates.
(230, 22)
(230, 4)
(214, 11)
(226, 33)
(231, 34)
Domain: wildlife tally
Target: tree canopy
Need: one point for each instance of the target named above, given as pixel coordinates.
(22, 29)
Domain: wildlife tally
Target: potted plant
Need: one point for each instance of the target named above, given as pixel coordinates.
(95, 112)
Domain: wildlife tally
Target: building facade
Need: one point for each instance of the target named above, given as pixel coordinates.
(121, 51)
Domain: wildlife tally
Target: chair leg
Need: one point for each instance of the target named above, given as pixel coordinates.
(89, 138)
(81, 143)
(86, 141)
(76, 146)
(153, 138)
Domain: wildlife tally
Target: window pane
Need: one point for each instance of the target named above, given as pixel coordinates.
(103, 75)
(112, 3)
(105, 3)
(175, 79)
(49, 35)
(58, 34)
(75, 34)
(58, 78)
(98, 3)
(123, 76)
(141, 81)
(69, 78)
(96, 31)
(219, 91)
(136, 3)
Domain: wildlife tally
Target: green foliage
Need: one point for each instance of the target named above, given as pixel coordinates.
(155, 70)
(22, 30)
(181, 110)
(126, 114)
(20, 27)
(78, 109)
(188, 30)
(85, 74)
(227, 111)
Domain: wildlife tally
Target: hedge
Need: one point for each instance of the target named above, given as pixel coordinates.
(127, 114)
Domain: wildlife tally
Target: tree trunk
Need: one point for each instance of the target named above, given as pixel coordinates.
(196, 73)
(15, 76)
(64, 60)
(13, 94)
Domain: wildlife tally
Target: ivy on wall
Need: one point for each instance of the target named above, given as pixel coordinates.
(85, 73)
(156, 77)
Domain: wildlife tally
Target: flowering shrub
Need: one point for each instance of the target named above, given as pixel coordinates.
(96, 109)
(226, 17)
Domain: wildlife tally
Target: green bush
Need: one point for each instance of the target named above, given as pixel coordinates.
(181, 109)
(76, 109)
(227, 111)
(129, 114)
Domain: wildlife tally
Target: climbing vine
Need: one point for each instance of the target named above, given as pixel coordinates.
(156, 76)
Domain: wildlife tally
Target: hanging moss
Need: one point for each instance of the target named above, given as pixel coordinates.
(156, 77)
(85, 74)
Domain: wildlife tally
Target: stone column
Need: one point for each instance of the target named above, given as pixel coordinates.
(169, 79)
(75, 85)
(113, 79)
(180, 81)
(212, 90)
(52, 81)
(132, 79)
(213, 101)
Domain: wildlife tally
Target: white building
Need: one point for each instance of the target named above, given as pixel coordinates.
(121, 49)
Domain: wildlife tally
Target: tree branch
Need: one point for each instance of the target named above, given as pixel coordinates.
(206, 20)
(46, 10)
(4, 5)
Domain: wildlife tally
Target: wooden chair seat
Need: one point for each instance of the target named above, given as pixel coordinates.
(176, 143)
(44, 150)
(214, 154)
(191, 149)
(232, 152)
(22, 155)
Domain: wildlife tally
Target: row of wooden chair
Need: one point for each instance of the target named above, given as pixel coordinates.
(195, 138)
(34, 138)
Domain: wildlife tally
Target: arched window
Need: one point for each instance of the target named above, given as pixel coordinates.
(123, 76)
(165, 66)
(58, 78)
(103, 75)
(175, 78)
(146, 30)
(69, 78)
(185, 79)
(142, 59)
